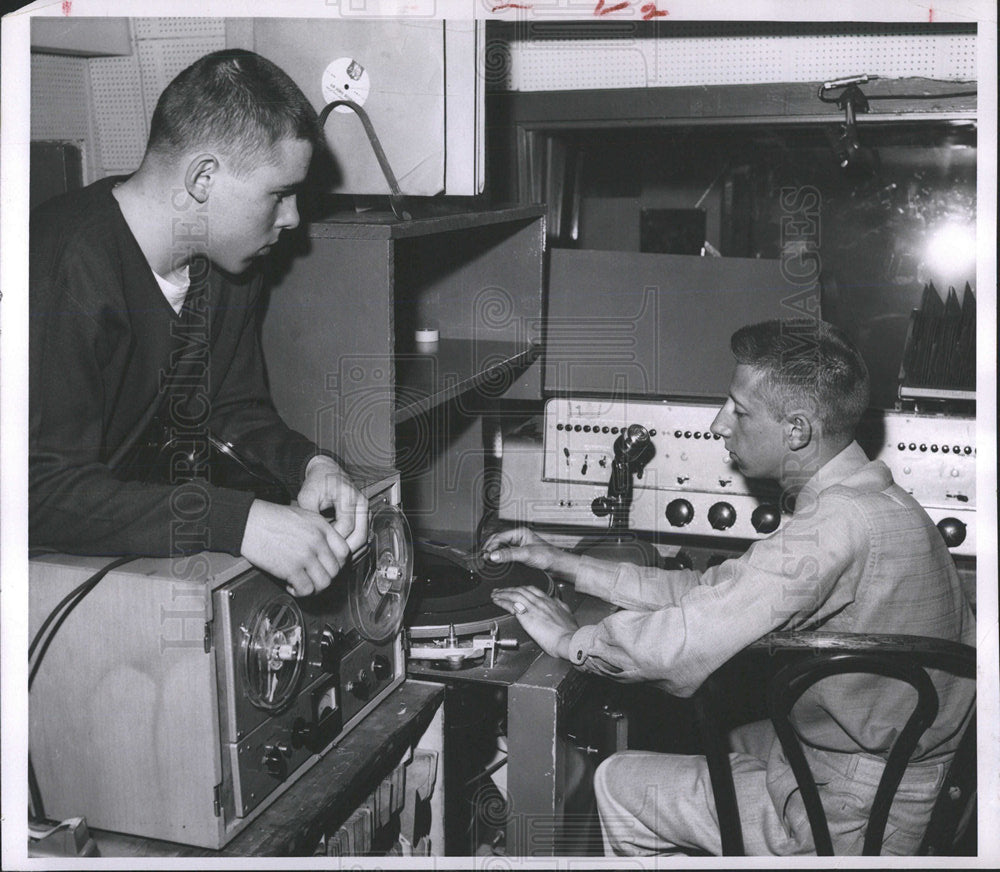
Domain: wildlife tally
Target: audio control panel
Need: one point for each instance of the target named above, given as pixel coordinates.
(687, 484)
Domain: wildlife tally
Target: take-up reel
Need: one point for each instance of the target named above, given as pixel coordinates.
(381, 583)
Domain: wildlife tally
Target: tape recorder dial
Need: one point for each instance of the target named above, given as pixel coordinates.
(179, 697)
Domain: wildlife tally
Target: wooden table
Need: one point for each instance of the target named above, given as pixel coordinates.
(322, 798)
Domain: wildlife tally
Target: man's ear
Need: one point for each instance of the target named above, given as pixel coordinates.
(798, 431)
(200, 175)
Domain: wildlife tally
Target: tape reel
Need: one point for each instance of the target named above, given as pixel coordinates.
(381, 584)
(273, 650)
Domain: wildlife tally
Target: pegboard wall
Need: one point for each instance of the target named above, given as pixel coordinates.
(733, 55)
(122, 90)
(59, 98)
(119, 114)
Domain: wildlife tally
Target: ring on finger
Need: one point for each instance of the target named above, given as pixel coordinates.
(520, 608)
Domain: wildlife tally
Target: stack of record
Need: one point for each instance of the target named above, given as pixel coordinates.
(940, 347)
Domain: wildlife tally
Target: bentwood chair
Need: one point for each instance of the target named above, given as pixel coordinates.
(812, 656)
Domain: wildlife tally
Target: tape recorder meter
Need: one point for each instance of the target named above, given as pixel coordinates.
(179, 697)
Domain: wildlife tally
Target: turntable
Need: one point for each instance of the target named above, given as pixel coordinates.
(452, 623)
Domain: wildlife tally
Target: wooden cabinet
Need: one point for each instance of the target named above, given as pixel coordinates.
(420, 80)
(344, 367)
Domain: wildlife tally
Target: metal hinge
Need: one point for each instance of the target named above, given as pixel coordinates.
(217, 800)
(208, 637)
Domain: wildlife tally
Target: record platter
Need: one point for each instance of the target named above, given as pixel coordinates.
(452, 623)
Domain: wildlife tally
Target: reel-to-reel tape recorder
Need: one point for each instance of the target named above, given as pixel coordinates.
(179, 697)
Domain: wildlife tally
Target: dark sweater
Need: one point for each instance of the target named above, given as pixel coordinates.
(107, 355)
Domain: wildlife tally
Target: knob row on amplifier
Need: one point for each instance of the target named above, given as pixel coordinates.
(765, 518)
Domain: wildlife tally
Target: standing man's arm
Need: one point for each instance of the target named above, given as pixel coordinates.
(243, 413)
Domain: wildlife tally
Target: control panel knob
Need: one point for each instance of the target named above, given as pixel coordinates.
(274, 761)
(331, 645)
(303, 732)
(679, 512)
(601, 507)
(722, 516)
(363, 684)
(765, 518)
(381, 667)
(953, 531)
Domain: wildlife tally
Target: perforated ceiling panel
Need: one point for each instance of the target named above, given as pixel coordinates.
(179, 28)
(636, 62)
(58, 98)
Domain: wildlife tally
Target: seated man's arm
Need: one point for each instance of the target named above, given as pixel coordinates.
(782, 582)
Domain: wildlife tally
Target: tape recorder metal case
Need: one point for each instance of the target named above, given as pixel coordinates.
(180, 697)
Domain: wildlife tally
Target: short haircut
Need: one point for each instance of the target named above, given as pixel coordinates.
(235, 101)
(806, 364)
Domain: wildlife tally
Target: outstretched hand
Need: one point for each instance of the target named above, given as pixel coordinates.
(522, 545)
(547, 620)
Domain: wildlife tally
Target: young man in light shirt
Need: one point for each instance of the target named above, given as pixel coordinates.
(857, 555)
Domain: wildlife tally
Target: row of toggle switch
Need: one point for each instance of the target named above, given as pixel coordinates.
(933, 448)
(678, 434)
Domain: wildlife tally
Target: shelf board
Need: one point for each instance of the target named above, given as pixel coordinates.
(385, 225)
(426, 377)
(907, 392)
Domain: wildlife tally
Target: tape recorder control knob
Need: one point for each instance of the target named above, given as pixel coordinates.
(722, 516)
(330, 647)
(275, 760)
(381, 667)
(363, 683)
(953, 531)
(303, 732)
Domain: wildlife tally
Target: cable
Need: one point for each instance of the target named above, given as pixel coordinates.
(55, 619)
(62, 610)
(863, 80)
(910, 96)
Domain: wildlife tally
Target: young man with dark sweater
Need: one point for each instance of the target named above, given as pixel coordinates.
(144, 320)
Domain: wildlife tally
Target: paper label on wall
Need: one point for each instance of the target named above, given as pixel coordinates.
(345, 79)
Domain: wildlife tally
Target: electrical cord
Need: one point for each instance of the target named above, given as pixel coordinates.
(62, 610)
(55, 619)
(395, 196)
